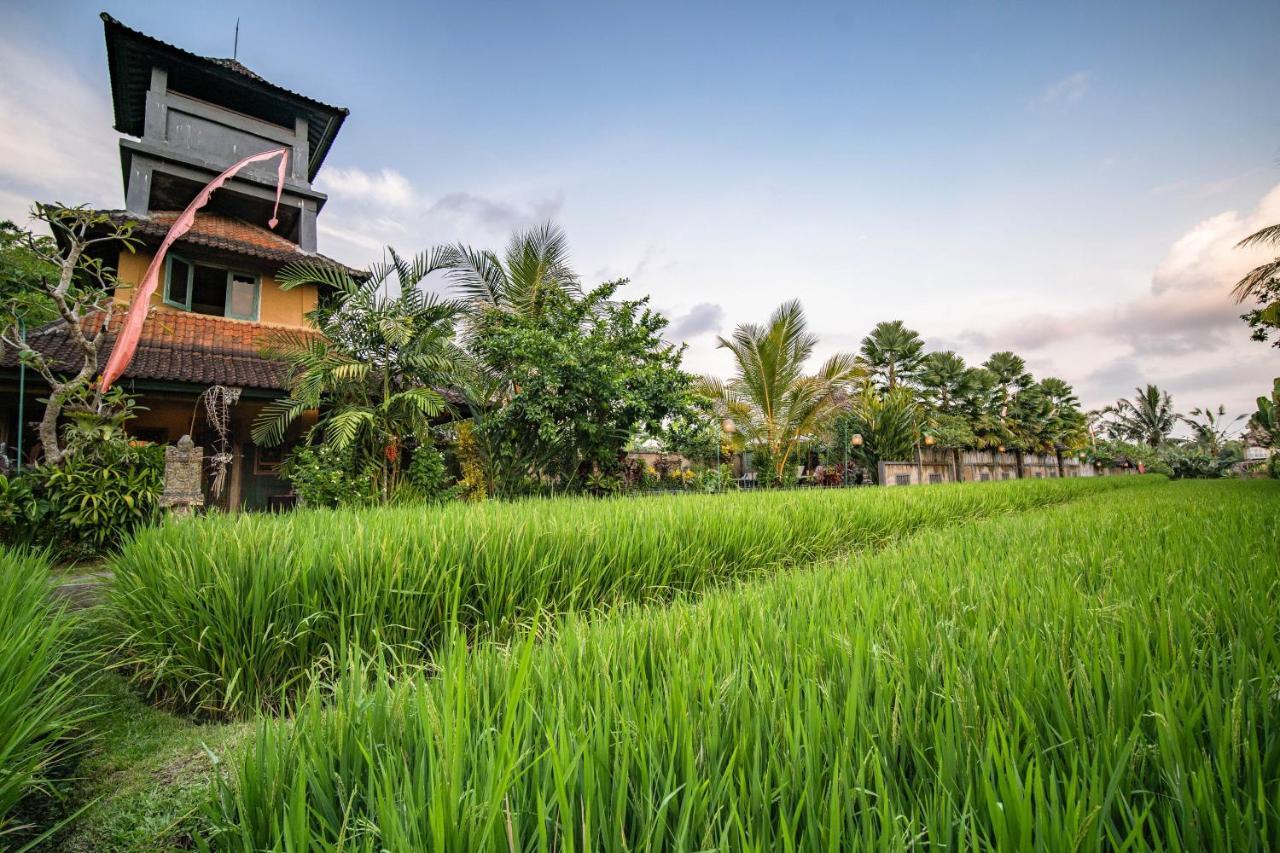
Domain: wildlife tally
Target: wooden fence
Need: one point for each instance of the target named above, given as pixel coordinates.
(941, 465)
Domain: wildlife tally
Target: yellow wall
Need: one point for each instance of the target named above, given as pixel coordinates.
(275, 306)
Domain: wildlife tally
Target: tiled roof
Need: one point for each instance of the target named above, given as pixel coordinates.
(177, 346)
(227, 234)
(238, 67)
(180, 346)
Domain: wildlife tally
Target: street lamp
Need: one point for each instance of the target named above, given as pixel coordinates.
(729, 428)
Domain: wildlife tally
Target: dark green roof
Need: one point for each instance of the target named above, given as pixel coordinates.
(131, 54)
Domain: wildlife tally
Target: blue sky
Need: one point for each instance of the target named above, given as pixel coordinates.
(1064, 180)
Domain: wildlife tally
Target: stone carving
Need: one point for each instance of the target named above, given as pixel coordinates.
(183, 464)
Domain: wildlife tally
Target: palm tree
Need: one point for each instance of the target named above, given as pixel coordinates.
(981, 407)
(534, 267)
(774, 404)
(1011, 376)
(1262, 279)
(889, 422)
(892, 353)
(1210, 429)
(374, 370)
(1148, 417)
(945, 380)
(1064, 425)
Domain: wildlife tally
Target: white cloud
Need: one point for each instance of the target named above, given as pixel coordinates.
(702, 319)
(1184, 334)
(385, 187)
(56, 139)
(369, 210)
(1069, 89)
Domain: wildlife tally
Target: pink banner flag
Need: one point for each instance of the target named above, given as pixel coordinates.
(127, 341)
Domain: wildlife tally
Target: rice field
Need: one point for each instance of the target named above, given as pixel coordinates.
(42, 711)
(227, 615)
(1099, 674)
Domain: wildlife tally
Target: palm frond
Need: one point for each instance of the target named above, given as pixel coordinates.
(274, 420)
(1267, 236)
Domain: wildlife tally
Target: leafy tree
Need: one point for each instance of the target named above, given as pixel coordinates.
(374, 370)
(573, 381)
(892, 353)
(1117, 452)
(23, 267)
(1148, 417)
(774, 403)
(64, 276)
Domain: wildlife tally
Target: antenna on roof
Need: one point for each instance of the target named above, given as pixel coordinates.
(235, 49)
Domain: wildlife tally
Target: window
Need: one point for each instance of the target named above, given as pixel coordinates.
(985, 476)
(211, 290)
(935, 478)
(902, 480)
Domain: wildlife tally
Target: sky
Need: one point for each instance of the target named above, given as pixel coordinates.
(1064, 180)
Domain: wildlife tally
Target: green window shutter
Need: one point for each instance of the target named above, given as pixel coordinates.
(243, 292)
(177, 283)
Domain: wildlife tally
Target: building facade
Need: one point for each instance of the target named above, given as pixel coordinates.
(184, 119)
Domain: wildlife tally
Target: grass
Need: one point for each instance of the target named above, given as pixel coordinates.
(1101, 674)
(41, 705)
(230, 614)
(145, 777)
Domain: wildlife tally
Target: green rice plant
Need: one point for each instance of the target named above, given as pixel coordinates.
(1098, 675)
(41, 663)
(230, 613)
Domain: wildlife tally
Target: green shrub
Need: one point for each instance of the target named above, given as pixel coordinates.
(41, 666)
(228, 613)
(1096, 676)
(426, 478)
(324, 477)
(86, 506)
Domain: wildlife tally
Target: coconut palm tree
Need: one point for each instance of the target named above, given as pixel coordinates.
(1263, 278)
(1149, 417)
(773, 402)
(889, 422)
(892, 353)
(374, 370)
(534, 266)
(1211, 429)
